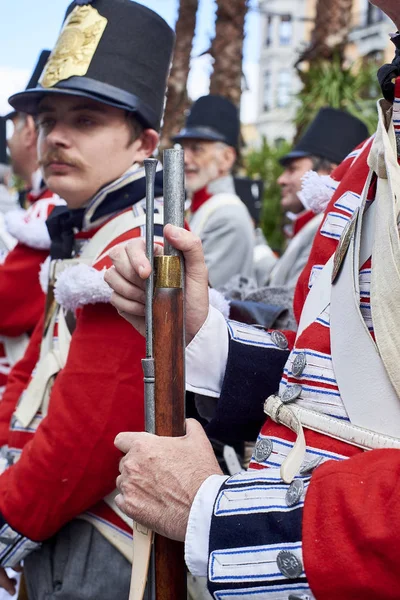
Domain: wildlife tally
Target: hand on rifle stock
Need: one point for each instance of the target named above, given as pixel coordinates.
(160, 477)
(131, 269)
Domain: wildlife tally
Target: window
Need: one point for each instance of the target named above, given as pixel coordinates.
(284, 88)
(285, 30)
(267, 99)
(270, 28)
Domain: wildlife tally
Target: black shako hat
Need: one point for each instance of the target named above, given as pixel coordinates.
(212, 118)
(332, 135)
(3, 142)
(37, 73)
(117, 52)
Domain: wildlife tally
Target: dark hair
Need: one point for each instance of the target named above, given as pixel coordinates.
(322, 164)
(135, 127)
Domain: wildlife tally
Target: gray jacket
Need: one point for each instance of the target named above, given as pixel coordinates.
(288, 268)
(226, 230)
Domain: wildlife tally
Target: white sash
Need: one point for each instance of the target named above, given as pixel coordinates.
(367, 393)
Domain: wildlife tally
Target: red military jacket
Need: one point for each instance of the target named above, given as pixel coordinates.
(66, 461)
(22, 299)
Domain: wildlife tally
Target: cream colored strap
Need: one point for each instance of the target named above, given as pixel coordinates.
(142, 545)
(280, 413)
(335, 428)
(15, 347)
(385, 279)
(201, 216)
(370, 400)
(113, 230)
(39, 387)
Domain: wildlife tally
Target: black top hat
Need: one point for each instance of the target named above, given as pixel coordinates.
(212, 118)
(37, 72)
(3, 142)
(117, 52)
(332, 135)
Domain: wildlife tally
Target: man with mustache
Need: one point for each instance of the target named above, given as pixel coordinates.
(210, 139)
(298, 529)
(98, 118)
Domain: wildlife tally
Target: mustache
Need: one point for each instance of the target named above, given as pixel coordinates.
(58, 156)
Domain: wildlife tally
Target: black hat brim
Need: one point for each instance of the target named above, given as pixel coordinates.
(288, 158)
(28, 100)
(200, 133)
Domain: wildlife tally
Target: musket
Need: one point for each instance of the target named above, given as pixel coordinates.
(164, 376)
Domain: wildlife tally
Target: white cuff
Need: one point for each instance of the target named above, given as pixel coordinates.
(207, 355)
(199, 525)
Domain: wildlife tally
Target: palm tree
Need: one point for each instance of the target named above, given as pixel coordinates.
(177, 97)
(227, 49)
(321, 66)
(329, 38)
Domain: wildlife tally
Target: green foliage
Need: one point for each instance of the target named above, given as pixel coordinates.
(355, 89)
(263, 163)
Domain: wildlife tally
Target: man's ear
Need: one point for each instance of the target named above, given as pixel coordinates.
(30, 132)
(229, 156)
(145, 145)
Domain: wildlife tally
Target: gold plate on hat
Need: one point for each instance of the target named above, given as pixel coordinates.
(75, 47)
(344, 244)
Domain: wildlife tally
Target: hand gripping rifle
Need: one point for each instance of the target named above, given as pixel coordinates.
(164, 376)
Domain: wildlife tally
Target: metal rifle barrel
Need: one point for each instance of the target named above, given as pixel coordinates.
(169, 356)
(150, 166)
(142, 537)
(174, 193)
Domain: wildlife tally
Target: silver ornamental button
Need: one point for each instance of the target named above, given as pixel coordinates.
(299, 364)
(289, 565)
(344, 244)
(309, 466)
(291, 393)
(279, 340)
(263, 450)
(295, 492)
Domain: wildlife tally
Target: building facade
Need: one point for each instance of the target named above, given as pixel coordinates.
(286, 30)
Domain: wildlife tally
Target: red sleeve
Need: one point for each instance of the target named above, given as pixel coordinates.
(22, 299)
(72, 462)
(17, 381)
(351, 528)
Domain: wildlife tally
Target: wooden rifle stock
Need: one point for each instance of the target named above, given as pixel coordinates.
(170, 571)
(169, 359)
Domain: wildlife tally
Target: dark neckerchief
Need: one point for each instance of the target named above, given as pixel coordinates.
(388, 73)
(63, 222)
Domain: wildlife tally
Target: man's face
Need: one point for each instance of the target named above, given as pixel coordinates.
(290, 182)
(83, 145)
(204, 162)
(20, 144)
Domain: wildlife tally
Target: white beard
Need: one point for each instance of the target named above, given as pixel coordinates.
(202, 178)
